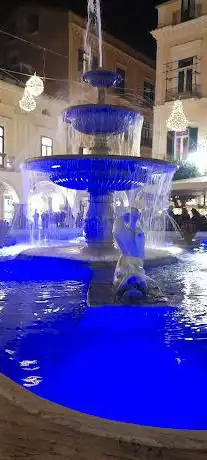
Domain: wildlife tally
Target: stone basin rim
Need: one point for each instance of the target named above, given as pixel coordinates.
(97, 157)
(120, 108)
(148, 437)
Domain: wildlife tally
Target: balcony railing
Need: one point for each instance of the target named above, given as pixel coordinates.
(135, 99)
(146, 142)
(173, 93)
(183, 16)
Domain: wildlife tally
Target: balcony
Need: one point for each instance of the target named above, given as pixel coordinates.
(172, 94)
(182, 79)
(183, 16)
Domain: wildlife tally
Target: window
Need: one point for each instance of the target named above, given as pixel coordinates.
(149, 94)
(33, 23)
(179, 145)
(2, 155)
(188, 10)
(121, 85)
(22, 67)
(185, 75)
(8, 207)
(82, 60)
(46, 146)
(146, 137)
(94, 63)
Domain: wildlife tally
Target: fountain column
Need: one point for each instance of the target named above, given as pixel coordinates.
(99, 220)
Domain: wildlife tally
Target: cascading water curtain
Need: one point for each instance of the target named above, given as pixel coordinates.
(127, 143)
(152, 199)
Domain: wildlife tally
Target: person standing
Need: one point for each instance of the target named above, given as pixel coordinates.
(36, 219)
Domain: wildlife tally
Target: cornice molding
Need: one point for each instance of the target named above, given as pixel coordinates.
(78, 31)
(183, 30)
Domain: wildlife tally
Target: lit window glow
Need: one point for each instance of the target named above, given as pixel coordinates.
(46, 146)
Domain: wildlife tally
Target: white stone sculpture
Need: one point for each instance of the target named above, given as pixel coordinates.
(129, 277)
(130, 281)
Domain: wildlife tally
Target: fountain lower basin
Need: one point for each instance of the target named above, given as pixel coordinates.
(25, 417)
(66, 431)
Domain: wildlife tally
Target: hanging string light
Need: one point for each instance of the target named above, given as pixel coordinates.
(35, 85)
(177, 120)
(27, 103)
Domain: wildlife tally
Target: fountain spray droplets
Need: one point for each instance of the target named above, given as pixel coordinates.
(93, 24)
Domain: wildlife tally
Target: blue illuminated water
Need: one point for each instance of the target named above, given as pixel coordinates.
(141, 365)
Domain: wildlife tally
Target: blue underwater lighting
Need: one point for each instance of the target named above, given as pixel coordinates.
(102, 78)
(105, 119)
(98, 174)
(142, 365)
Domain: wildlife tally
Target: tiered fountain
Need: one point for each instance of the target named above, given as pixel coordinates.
(102, 173)
(104, 380)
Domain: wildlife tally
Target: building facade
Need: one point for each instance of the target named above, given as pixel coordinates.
(32, 43)
(24, 135)
(181, 73)
(58, 54)
(138, 76)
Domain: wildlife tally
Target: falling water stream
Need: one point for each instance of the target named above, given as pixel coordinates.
(93, 25)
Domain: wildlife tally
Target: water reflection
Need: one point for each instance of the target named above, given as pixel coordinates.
(53, 345)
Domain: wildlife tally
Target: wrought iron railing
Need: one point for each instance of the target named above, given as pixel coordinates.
(173, 93)
(179, 16)
(146, 142)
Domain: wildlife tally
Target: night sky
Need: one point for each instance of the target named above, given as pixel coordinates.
(128, 20)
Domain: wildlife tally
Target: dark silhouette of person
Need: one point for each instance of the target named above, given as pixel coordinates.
(188, 228)
(170, 220)
(45, 219)
(62, 218)
(57, 219)
(199, 221)
(36, 219)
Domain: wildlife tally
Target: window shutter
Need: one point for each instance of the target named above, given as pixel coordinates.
(170, 144)
(193, 139)
(181, 81)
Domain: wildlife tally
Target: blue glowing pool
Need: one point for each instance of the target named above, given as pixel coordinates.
(141, 365)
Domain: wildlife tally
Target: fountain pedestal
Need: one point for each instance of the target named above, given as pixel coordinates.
(99, 220)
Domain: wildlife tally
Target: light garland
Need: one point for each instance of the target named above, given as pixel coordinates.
(35, 85)
(27, 103)
(177, 120)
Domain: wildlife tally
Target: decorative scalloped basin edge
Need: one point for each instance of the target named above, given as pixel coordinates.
(103, 173)
(33, 427)
(93, 119)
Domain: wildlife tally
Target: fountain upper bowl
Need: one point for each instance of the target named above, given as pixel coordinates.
(102, 78)
(103, 119)
(99, 174)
